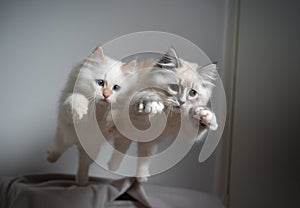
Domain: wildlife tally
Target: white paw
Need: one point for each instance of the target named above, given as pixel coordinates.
(79, 105)
(142, 173)
(206, 117)
(151, 107)
(142, 179)
(112, 166)
(53, 156)
(80, 109)
(149, 102)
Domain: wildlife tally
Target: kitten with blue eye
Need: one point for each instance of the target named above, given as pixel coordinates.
(179, 91)
(185, 94)
(98, 79)
(189, 92)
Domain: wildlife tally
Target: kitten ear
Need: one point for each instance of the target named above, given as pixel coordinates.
(97, 55)
(130, 67)
(208, 73)
(169, 61)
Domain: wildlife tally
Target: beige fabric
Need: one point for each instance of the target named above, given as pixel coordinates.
(58, 190)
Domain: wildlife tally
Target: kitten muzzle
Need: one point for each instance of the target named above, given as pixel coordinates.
(106, 93)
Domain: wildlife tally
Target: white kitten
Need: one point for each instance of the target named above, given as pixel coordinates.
(186, 94)
(98, 79)
(178, 91)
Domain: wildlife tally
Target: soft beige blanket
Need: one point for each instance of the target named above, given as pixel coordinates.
(58, 190)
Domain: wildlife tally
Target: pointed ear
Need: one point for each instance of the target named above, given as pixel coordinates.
(169, 61)
(97, 55)
(208, 73)
(130, 67)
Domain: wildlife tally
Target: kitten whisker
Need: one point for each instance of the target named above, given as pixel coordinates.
(169, 110)
(91, 97)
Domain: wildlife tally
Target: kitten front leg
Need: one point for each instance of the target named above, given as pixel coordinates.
(145, 150)
(84, 162)
(77, 104)
(149, 102)
(206, 117)
(121, 145)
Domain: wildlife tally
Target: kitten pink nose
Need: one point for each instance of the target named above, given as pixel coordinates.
(106, 93)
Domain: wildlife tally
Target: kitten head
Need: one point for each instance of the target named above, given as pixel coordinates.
(102, 78)
(190, 85)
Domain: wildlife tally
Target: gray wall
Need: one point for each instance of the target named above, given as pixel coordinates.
(42, 40)
(265, 166)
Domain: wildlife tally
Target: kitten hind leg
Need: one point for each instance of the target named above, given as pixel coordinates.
(145, 150)
(121, 146)
(60, 146)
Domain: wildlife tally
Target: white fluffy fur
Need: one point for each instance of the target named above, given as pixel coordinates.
(81, 89)
(153, 101)
(74, 102)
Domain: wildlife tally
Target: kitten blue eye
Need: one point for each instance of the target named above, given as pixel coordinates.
(116, 87)
(100, 82)
(174, 87)
(192, 93)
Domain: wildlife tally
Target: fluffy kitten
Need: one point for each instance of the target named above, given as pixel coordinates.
(179, 91)
(98, 79)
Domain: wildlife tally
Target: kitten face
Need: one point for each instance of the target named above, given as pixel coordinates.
(109, 82)
(189, 90)
(101, 79)
(191, 85)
